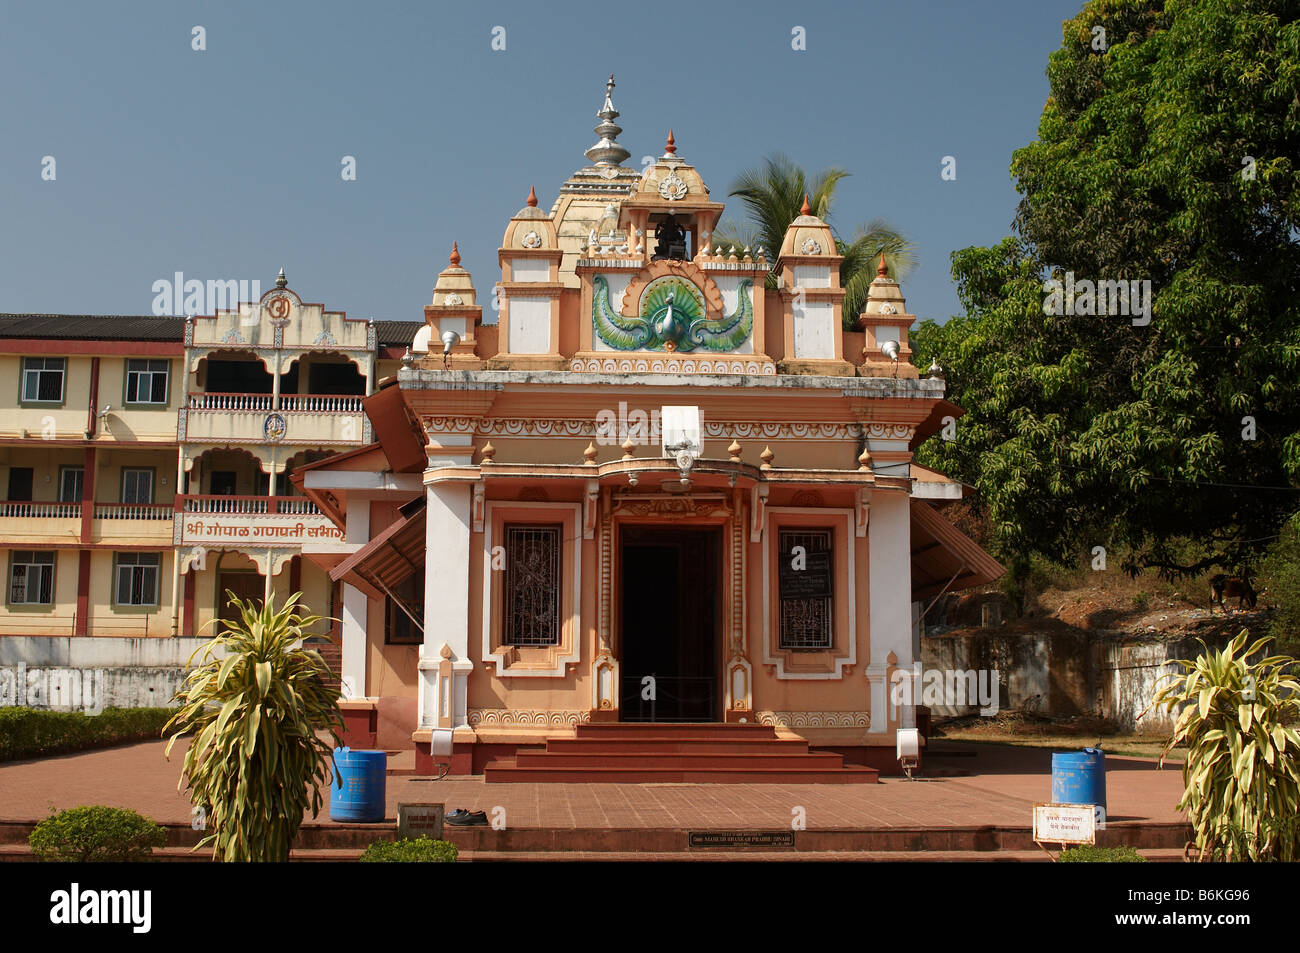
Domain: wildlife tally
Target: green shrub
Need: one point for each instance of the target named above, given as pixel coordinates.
(417, 851)
(32, 733)
(96, 834)
(1279, 584)
(1102, 855)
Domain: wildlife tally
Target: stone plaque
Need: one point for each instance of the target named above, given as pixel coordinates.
(420, 820)
(734, 839)
(811, 582)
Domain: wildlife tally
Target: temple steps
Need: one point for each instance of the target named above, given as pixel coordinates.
(685, 753)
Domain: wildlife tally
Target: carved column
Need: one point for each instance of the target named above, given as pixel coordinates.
(604, 669)
(739, 686)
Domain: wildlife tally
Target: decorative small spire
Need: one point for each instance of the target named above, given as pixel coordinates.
(628, 447)
(734, 450)
(670, 147)
(454, 257)
(807, 208)
(280, 279)
(881, 269)
(607, 152)
(864, 459)
(532, 197)
(767, 456)
(590, 454)
(487, 453)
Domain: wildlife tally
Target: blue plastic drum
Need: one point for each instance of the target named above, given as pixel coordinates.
(1079, 777)
(357, 791)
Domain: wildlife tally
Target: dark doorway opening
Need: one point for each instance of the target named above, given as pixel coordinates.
(669, 633)
(246, 584)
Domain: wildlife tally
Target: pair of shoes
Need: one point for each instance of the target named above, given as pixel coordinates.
(463, 818)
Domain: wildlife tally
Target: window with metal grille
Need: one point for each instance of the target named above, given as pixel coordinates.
(31, 578)
(805, 588)
(137, 578)
(137, 486)
(43, 379)
(71, 480)
(532, 585)
(146, 382)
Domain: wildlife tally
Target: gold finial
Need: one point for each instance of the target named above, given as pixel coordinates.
(590, 454)
(767, 456)
(454, 257)
(734, 450)
(628, 447)
(487, 453)
(864, 461)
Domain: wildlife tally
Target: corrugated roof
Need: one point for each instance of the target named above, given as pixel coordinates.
(147, 327)
(396, 333)
(92, 327)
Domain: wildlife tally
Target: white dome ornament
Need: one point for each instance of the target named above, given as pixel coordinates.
(532, 240)
(812, 246)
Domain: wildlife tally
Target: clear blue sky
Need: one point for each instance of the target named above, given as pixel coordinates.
(226, 163)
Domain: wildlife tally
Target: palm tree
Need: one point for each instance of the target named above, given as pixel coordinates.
(773, 195)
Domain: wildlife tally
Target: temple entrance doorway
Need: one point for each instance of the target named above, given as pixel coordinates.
(670, 605)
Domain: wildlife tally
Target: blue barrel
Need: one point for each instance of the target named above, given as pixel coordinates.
(357, 792)
(1079, 777)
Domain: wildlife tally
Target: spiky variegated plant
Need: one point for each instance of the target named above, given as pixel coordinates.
(1242, 774)
(254, 707)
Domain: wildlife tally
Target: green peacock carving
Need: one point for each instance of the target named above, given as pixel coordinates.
(671, 312)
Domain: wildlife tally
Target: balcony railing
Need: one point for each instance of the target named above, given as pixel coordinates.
(133, 511)
(291, 403)
(229, 402)
(320, 404)
(246, 505)
(40, 511)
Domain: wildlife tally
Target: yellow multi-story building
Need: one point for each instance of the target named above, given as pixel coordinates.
(144, 461)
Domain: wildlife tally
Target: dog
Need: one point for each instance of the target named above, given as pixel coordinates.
(1237, 587)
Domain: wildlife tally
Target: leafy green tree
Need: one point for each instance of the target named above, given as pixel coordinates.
(257, 708)
(772, 196)
(1280, 586)
(1167, 156)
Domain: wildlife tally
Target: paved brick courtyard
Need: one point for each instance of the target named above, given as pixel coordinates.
(1000, 790)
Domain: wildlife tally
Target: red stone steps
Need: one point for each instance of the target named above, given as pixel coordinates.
(683, 753)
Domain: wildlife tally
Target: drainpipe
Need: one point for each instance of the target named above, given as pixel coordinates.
(176, 551)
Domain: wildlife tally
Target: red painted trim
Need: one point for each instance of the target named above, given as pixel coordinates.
(83, 593)
(87, 494)
(26, 543)
(92, 421)
(190, 580)
(62, 346)
(112, 444)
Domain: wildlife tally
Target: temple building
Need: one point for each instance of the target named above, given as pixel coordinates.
(666, 487)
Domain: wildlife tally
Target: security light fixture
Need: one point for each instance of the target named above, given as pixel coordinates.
(449, 340)
(890, 350)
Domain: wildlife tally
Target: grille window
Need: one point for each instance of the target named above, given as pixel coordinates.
(137, 579)
(31, 578)
(43, 379)
(532, 585)
(806, 599)
(146, 382)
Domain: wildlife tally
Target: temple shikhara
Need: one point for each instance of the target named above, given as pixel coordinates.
(657, 521)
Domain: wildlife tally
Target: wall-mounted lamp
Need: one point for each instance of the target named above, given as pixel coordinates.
(890, 350)
(449, 340)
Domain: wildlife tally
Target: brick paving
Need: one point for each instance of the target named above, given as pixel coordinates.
(1002, 785)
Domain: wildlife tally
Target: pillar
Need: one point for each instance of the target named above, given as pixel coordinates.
(446, 599)
(890, 544)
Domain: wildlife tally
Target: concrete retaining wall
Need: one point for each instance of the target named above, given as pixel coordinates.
(1063, 674)
(90, 674)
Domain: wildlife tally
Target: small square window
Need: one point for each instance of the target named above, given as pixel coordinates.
(43, 380)
(146, 381)
(31, 578)
(137, 579)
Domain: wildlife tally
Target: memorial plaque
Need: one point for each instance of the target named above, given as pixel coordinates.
(734, 839)
(420, 820)
(811, 582)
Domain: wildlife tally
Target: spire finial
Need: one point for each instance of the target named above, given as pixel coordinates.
(807, 208)
(454, 257)
(670, 147)
(280, 279)
(607, 152)
(882, 270)
(532, 197)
